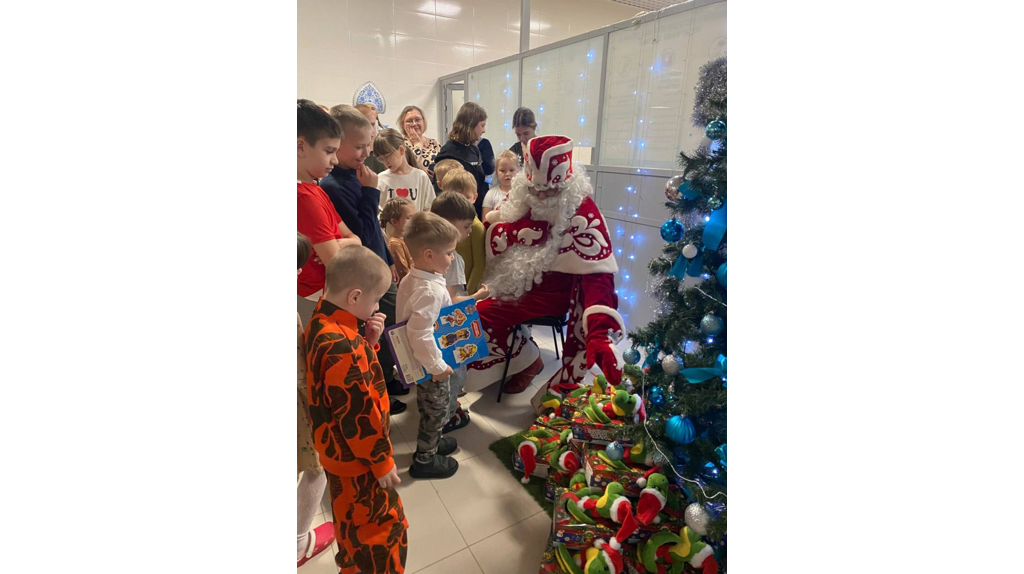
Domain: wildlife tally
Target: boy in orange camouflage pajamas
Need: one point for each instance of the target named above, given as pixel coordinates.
(349, 408)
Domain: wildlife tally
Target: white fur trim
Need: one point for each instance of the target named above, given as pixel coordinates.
(657, 519)
(641, 482)
(526, 443)
(658, 495)
(608, 561)
(614, 510)
(603, 310)
(699, 557)
(614, 544)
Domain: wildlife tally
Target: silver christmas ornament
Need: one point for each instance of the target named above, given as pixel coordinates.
(690, 251)
(671, 365)
(697, 519)
(711, 325)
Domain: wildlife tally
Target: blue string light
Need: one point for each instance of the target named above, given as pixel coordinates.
(631, 256)
(711, 340)
(583, 120)
(620, 208)
(618, 251)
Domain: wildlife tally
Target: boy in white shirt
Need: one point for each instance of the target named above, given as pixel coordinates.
(421, 295)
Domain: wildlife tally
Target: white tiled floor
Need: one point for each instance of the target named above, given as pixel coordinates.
(480, 520)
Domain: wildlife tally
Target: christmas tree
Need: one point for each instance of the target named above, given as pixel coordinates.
(682, 376)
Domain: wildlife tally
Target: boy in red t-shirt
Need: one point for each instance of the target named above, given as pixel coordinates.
(319, 137)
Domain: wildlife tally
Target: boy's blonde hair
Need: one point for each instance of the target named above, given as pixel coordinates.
(350, 119)
(507, 155)
(443, 168)
(469, 116)
(427, 230)
(392, 210)
(355, 267)
(388, 141)
(461, 182)
(453, 206)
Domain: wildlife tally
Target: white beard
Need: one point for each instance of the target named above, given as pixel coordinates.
(515, 271)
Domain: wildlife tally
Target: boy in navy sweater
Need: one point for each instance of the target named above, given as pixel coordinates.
(352, 188)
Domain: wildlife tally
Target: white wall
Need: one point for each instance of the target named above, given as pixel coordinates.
(403, 46)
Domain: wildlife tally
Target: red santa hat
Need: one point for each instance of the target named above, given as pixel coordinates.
(548, 162)
(611, 552)
(651, 501)
(528, 452)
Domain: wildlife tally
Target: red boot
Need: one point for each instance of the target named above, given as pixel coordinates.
(521, 380)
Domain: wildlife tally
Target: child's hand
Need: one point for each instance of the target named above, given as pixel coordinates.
(366, 176)
(394, 273)
(482, 293)
(390, 480)
(442, 376)
(374, 327)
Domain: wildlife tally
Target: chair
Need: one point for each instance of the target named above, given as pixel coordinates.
(556, 323)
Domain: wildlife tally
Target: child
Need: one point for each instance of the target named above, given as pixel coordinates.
(457, 209)
(421, 296)
(369, 111)
(442, 169)
(349, 411)
(507, 166)
(470, 249)
(393, 218)
(524, 123)
(352, 187)
(469, 127)
(311, 480)
(401, 179)
(319, 137)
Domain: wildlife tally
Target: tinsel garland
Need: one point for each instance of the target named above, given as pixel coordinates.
(710, 88)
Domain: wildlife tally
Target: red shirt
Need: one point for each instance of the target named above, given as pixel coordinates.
(319, 222)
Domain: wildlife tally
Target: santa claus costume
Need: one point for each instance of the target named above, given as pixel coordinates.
(549, 253)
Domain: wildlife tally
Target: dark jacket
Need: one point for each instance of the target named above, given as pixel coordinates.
(470, 158)
(357, 206)
(517, 149)
(486, 156)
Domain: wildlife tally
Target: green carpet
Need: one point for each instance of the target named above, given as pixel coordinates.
(503, 449)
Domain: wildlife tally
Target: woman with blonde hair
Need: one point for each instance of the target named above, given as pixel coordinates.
(468, 129)
(413, 125)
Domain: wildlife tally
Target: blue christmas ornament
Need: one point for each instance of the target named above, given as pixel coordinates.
(720, 275)
(710, 472)
(688, 191)
(614, 451)
(631, 356)
(656, 397)
(671, 231)
(715, 130)
(680, 430)
(720, 451)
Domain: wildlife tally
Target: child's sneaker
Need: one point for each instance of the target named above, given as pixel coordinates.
(320, 539)
(447, 445)
(458, 420)
(439, 467)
